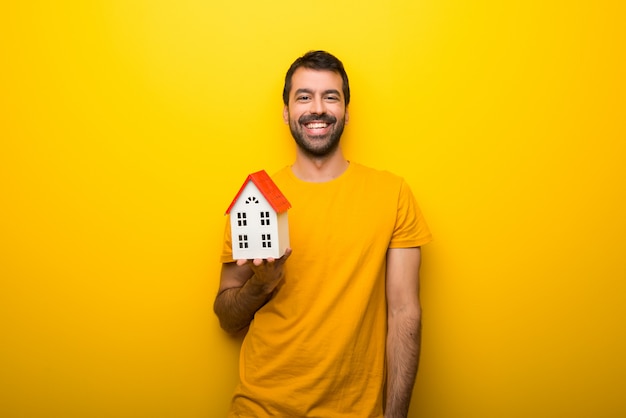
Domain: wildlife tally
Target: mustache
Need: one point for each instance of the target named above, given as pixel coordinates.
(304, 119)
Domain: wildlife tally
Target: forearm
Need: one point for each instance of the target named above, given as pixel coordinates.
(235, 307)
(403, 350)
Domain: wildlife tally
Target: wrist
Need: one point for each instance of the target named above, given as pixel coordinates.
(258, 288)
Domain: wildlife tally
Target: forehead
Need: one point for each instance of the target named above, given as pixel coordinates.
(316, 80)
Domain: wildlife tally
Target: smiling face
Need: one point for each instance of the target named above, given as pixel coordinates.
(316, 112)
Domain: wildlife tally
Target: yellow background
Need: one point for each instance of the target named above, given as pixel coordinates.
(126, 127)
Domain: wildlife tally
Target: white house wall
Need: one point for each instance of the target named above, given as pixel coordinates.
(283, 232)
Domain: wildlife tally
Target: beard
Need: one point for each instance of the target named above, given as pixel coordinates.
(317, 145)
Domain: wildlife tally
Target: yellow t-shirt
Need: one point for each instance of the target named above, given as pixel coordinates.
(317, 348)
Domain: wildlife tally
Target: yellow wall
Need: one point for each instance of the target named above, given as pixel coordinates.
(127, 126)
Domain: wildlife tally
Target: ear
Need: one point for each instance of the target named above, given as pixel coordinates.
(347, 115)
(286, 115)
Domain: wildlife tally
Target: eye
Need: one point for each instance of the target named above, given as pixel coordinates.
(303, 98)
(332, 98)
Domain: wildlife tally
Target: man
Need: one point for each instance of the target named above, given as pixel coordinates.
(334, 326)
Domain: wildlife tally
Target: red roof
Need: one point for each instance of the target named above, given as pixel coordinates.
(268, 189)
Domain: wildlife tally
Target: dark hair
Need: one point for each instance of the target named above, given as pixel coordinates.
(317, 60)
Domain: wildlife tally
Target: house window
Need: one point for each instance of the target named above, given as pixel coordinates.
(243, 241)
(241, 219)
(252, 199)
(265, 218)
(266, 240)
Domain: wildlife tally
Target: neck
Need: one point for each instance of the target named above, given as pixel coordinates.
(319, 169)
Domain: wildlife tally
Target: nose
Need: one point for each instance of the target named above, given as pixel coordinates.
(318, 107)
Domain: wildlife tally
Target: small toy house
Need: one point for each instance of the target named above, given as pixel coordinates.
(258, 219)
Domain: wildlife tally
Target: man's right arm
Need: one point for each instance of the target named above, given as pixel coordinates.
(245, 286)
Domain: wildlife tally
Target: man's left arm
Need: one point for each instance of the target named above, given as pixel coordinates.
(404, 328)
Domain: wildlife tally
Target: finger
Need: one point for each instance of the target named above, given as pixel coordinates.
(286, 255)
(281, 260)
(257, 261)
(241, 261)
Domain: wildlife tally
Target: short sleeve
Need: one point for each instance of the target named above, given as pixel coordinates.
(410, 229)
(227, 249)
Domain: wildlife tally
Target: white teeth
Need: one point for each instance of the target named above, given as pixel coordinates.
(318, 125)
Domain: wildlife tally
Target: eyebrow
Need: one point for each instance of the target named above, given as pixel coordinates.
(309, 91)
